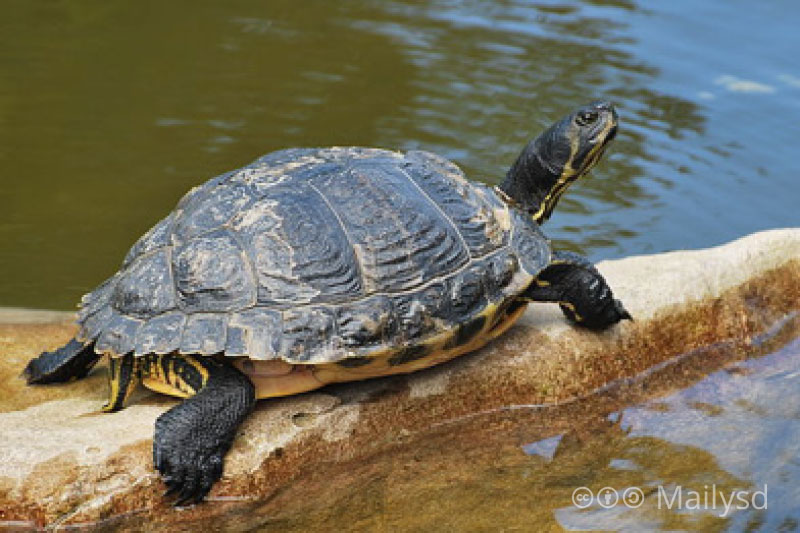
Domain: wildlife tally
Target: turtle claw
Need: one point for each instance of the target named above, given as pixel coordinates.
(189, 475)
(189, 492)
(176, 471)
(622, 313)
(193, 493)
(172, 488)
(191, 486)
(187, 501)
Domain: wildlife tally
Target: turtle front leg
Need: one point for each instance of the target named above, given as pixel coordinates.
(580, 290)
(192, 438)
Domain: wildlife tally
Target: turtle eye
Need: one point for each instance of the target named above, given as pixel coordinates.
(585, 118)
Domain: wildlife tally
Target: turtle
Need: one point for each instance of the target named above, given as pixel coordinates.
(312, 266)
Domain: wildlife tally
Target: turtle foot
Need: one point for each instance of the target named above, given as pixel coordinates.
(192, 438)
(189, 473)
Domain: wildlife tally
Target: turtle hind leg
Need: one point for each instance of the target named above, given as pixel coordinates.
(123, 377)
(580, 290)
(71, 361)
(192, 438)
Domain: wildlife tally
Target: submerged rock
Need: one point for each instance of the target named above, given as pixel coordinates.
(62, 463)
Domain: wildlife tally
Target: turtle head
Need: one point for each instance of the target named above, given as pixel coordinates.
(563, 153)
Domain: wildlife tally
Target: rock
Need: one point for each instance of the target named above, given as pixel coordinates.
(62, 463)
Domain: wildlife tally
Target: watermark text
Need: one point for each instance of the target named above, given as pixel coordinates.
(674, 497)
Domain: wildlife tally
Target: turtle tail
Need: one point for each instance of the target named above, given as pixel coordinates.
(71, 361)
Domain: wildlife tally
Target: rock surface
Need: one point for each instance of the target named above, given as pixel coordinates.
(62, 463)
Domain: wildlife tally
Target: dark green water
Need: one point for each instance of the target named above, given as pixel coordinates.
(110, 111)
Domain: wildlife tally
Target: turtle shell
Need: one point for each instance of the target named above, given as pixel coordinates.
(315, 256)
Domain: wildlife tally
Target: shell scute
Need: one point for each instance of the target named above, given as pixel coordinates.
(401, 239)
(118, 335)
(300, 252)
(255, 333)
(145, 288)
(414, 318)
(212, 274)
(92, 326)
(465, 203)
(161, 334)
(308, 332)
(209, 211)
(204, 333)
(468, 292)
(366, 323)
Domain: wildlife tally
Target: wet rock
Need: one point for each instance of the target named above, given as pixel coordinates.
(62, 463)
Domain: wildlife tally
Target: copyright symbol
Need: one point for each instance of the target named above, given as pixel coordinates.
(582, 497)
(633, 497)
